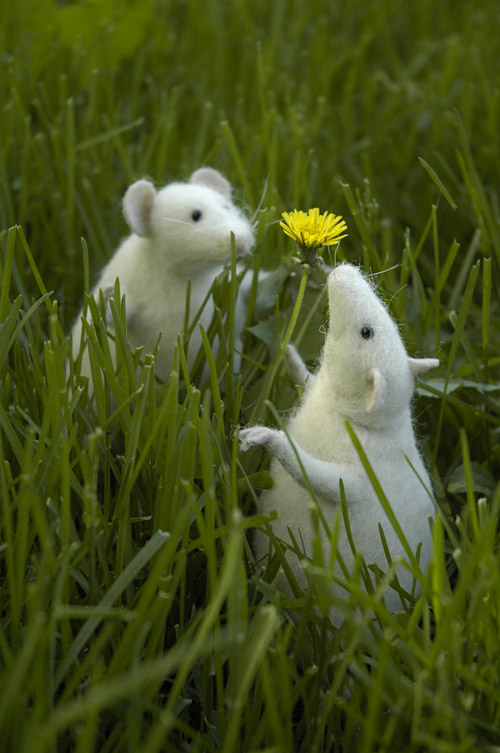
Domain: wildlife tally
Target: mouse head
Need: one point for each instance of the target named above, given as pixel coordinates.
(364, 360)
(189, 224)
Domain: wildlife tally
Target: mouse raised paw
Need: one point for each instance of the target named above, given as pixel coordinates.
(262, 436)
(297, 369)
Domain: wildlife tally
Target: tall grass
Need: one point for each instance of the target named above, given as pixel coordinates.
(133, 615)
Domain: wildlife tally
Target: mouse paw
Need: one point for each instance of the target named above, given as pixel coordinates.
(297, 369)
(107, 294)
(257, 436)
(108, 291)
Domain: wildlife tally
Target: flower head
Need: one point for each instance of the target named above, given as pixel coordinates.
(312, 229)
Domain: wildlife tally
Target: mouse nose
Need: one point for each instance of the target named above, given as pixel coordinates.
(342, 269)
(244, 242)
(345, 272)
(336, 273)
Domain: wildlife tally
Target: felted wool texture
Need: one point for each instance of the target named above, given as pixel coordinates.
(368, 382)
(183, 231)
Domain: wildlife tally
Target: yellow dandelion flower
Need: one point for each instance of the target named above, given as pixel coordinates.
(312, 229)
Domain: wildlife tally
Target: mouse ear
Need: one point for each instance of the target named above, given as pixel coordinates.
(207, 176)
(421, 365)
(375, 393)
(137, 204)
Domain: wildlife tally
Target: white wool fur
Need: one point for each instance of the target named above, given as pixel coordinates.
(170, 243)
(367, 381)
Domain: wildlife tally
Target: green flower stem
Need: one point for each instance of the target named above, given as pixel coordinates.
(274, 366)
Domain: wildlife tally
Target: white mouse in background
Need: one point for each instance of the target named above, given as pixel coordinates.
(365, 377)
(183, 231)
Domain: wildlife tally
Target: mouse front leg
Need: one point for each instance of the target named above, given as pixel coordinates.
(299, 373)
(324, 477)
(108, 292)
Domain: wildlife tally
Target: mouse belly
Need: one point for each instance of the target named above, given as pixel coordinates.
(163, 310)
(409, 501)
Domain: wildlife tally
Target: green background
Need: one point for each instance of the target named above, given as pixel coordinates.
(114, 636)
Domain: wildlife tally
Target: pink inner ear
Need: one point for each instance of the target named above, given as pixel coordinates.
(137, 205)
(421, 365)
(376, 391)
(207, 176)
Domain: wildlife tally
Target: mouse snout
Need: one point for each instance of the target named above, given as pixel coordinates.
(244, 241)
(343, 271)
(338, 281)
(336, 272)
(346, 280)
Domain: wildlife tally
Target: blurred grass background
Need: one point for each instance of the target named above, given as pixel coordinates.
(115, 636)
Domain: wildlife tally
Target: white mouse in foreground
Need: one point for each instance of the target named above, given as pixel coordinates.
(365, 377)
(183, 231)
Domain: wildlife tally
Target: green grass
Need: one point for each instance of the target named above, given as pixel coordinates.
(133, 615)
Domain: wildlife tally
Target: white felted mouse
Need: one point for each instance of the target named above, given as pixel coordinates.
(365, 377)
(183, 231)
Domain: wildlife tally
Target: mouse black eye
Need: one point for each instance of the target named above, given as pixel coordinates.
(367, 333)
(197, 215)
